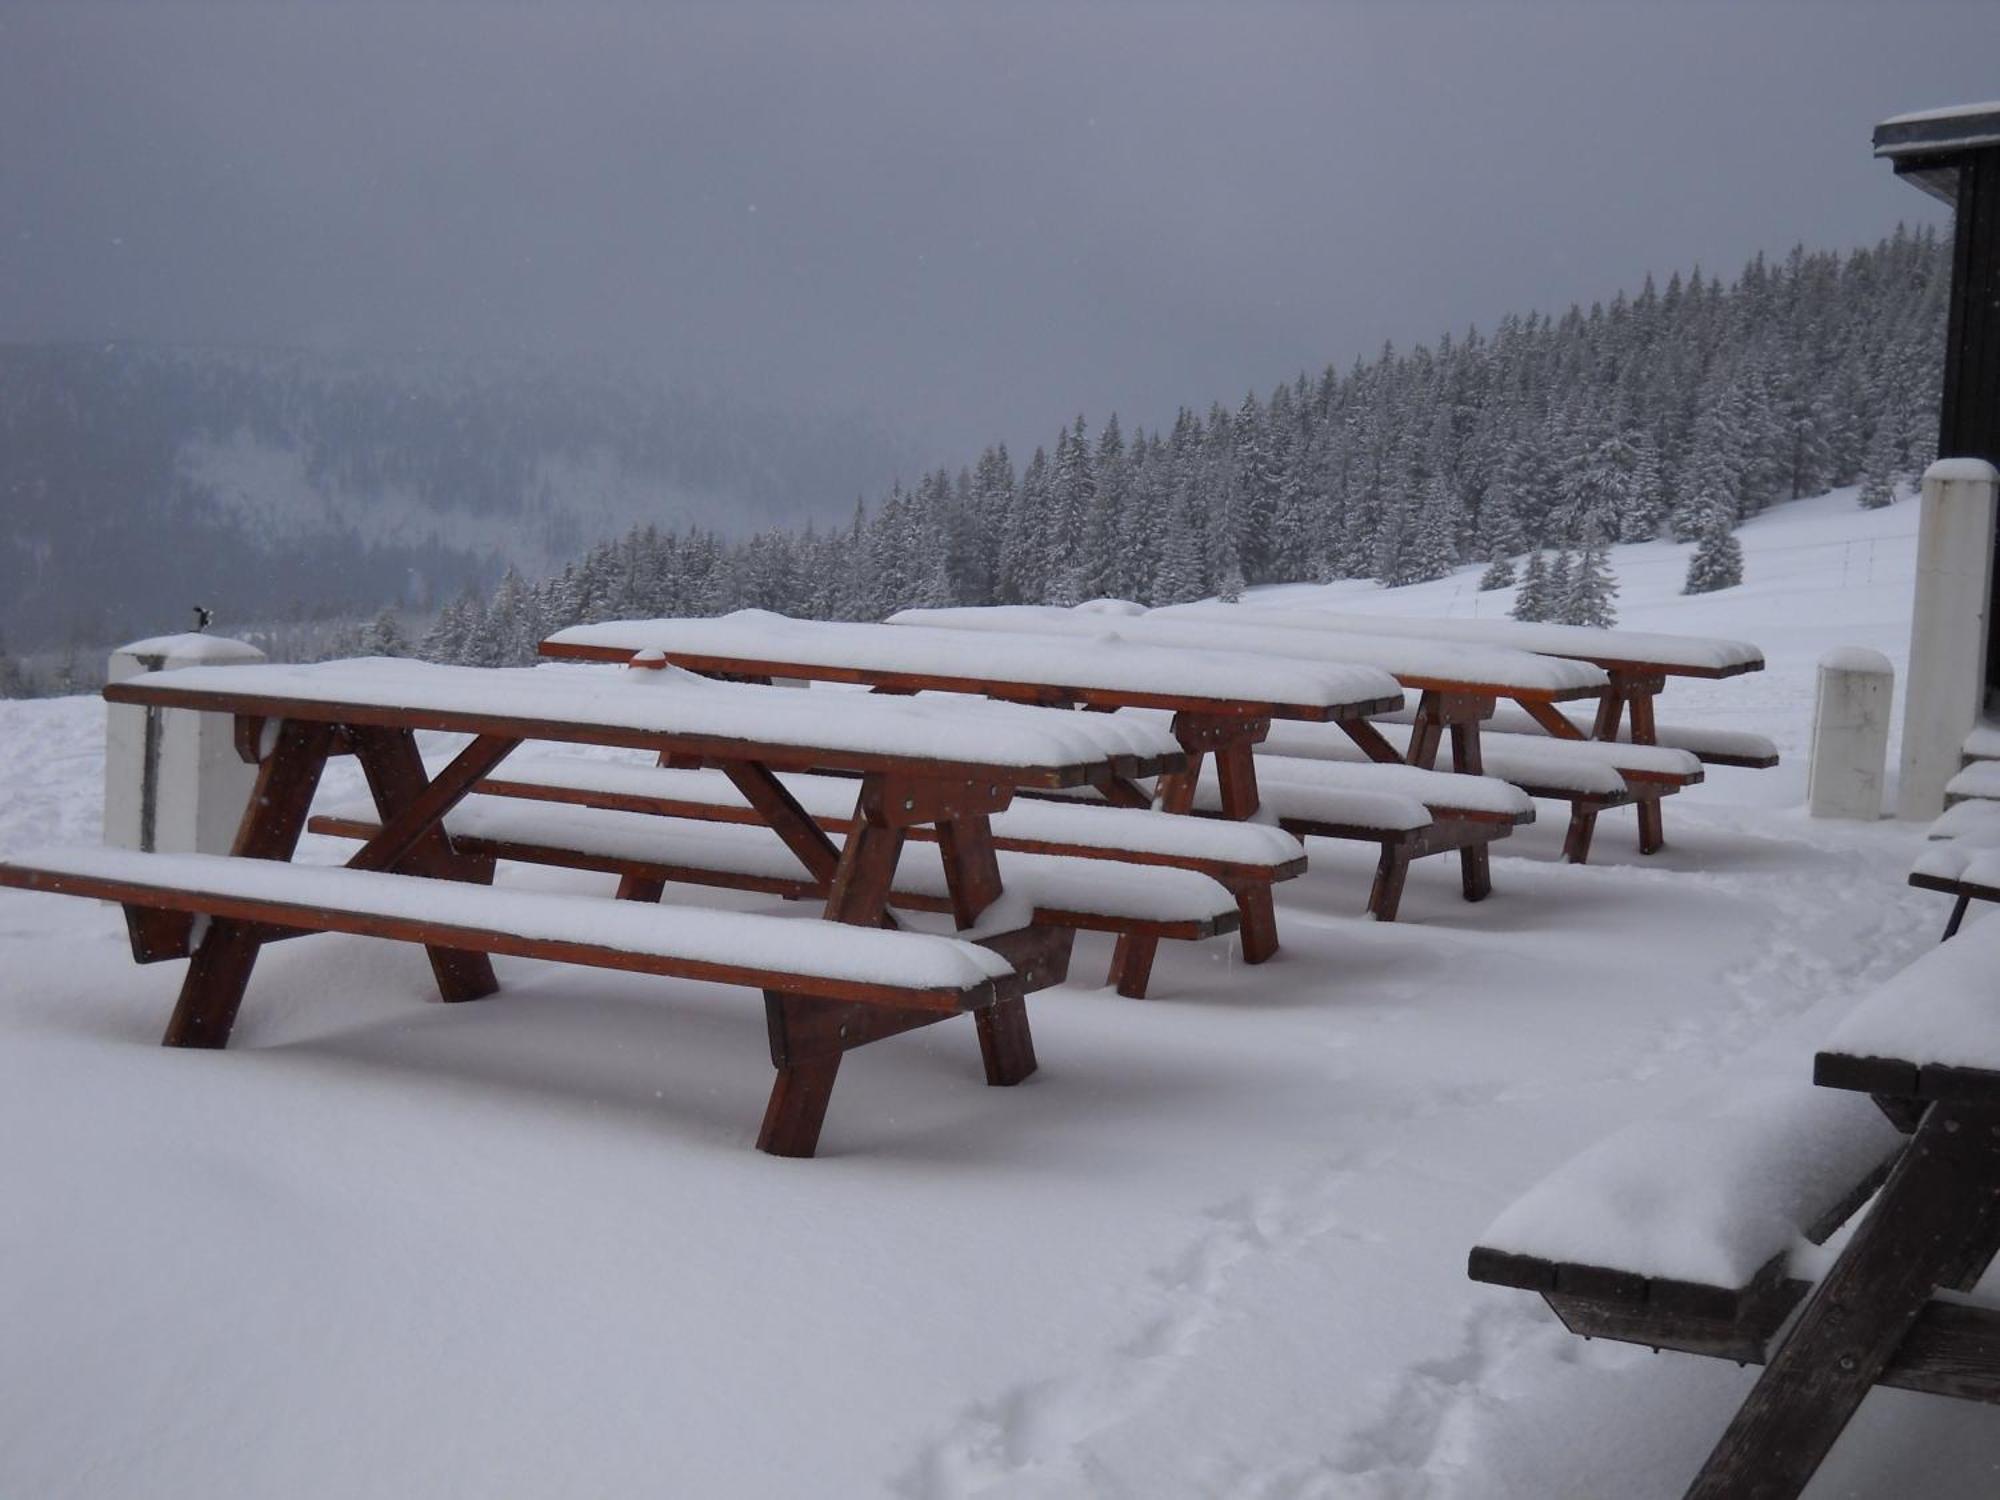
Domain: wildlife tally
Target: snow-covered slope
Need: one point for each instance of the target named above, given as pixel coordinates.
(1216, 1247)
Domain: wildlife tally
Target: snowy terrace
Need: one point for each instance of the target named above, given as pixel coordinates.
(1215, 1247)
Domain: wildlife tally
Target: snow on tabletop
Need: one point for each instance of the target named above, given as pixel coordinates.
(1137, 829)
(1978, 819)
(636, 699)
(760, 635)
(1972, 860)
(1499, 666)
(1579, 641)
(1513, 759)
(1980, 779)
(1442, 789)
(1943, 1008)
(1963, 471)
(1056, 881)
(1704, 1197)
(787, 945)
(1984, 742)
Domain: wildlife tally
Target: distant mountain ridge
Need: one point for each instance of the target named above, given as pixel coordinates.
(137, 479)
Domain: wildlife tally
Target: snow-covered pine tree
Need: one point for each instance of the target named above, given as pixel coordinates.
(1558, 586)
(1592, 587)
(1717, 562)
(1532, 602)
(1499, 573)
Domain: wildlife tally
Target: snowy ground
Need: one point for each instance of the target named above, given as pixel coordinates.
(1215, 1247)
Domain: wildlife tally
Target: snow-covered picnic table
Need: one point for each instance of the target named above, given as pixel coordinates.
(1636, 665)
(1697, 1233)
(828, 986)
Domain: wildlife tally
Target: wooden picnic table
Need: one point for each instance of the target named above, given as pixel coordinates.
(1458, 686)
(1636, 664)
(1222, 703)
(916, 767)
(1925, 1047)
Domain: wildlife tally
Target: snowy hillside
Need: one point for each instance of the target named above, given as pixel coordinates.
(1214, 1248)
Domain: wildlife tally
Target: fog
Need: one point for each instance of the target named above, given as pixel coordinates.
(969, 222)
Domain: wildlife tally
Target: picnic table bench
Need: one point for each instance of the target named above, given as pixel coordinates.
(1458, 687)
(1636, 664)
(1219, 704)
(1708, 1262)
(829, 986)
(1240, 857)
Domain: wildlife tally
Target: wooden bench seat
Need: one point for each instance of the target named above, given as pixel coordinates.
(1408, 811)
(1592, 776)
(1679, 1234)
(828, 987)
(647, 851)
(1712, 747)
(1246, 858)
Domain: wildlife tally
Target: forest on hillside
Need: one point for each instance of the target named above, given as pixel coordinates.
(1676, 410)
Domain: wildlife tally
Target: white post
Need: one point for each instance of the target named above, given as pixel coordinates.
(1947, 678)
(172, 779)
(1850, 747)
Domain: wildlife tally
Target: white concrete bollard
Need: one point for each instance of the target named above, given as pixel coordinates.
(172, 778)
(1850, 748)
(1947, 678)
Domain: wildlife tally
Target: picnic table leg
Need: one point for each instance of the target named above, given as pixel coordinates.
(1474, 866)
(1652, 827)
(1236, 770)
(1391, 871)
(395, 771)
(219, 970)
(972, 875)
(1957, 916)
(1935, 1224)
(808, 1037)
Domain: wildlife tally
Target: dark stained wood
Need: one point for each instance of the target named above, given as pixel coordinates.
(978, 684)
(219, 971)
(780, 810)
(971, 871)
(412, 836)
(708, 749)
(1132, 964)
(1939, 1210)
(157, 936)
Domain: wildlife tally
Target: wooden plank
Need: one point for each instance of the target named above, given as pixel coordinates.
(1940, 1204)
(782, 814)
(212, 991)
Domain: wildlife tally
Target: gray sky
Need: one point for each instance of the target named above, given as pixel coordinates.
(972, 220)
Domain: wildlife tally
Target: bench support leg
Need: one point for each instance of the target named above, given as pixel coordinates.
(808, 1037)
(1582, 824)
(1258, 923)
(1957, 916)
(1475, 865)
(1132, 964)
(219, 971)
(1936, 1223)
(1392, 871)
(646, 889)
(1006, 1046)
(395, 771)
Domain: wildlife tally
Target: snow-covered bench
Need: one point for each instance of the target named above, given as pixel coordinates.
(1962, 857)
(1690, 1234)
(1682, 1233)
(1244, 858)
(1407, 810)
(1977, 780)
(883, 981)
(1712, 747)
(1590, 775)
(648, 852)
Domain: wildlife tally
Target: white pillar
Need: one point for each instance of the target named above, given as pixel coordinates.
(172, 778)
(1850, 748)
(1947, 680)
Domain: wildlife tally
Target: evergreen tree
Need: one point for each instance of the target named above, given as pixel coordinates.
(1499, 573)
(1532, 602)
(1592, 588)
(1717, 562)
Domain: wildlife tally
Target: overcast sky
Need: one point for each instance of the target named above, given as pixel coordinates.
(974, 221)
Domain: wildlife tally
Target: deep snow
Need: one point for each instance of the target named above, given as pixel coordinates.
(1215, 1247)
